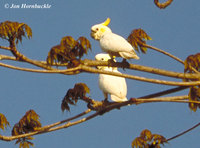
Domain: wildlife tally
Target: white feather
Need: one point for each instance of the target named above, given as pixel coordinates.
(113, 85)
(112, 43)
(117, 46)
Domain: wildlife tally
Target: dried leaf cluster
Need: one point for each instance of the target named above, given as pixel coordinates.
(192, 61)
(69, 51)
(194, 95)
(12, 31)
(73, 95)
(138, 38)
(28, 123)
(148, 140)
(192, 65)
(162, 5)
(3, 122)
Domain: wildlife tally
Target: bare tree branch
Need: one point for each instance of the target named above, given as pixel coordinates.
(165, 53)
(92, 63)
(44, 129)
(6, 48)
(184, 132)
(84, 68)
(173, 83)
(115, 105)
(161, 93)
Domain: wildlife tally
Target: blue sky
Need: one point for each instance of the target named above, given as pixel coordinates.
(174, 29)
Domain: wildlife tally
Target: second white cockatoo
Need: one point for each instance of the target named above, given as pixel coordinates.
(113, 85)
(112, 43)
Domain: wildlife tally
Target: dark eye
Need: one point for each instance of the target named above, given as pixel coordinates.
(97, 29)
(102, 59)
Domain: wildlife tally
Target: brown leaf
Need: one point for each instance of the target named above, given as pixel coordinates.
(84, 46)
(14, 31)
(192, 61)
(28, 123)
(162, 5)
(138, 143)
(148, 140)
(68, 42)
(73, 95)
(69, 51)
(138, 38)
(194, 95)
(146, 135)
(25, 144)
(3, 122)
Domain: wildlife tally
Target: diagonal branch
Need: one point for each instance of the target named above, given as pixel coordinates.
(43, 129)
(165, 53)
(50, 128)
(165, 92)
(184, 132)
(170, 55)
(4, 47)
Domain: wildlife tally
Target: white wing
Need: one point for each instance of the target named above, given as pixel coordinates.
(117, 45)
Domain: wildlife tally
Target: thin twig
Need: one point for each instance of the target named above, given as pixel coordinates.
(6, 48)
(182, 133)
(165, 92)
(66, 71)
(170, 55)
(44, 129)
(64, 121)
(165, 53)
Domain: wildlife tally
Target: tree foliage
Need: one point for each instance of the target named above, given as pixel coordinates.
(192, 61)
(148, 140)
(69, 52)
(138, 38)
(14, 31)
(73, 95)
(3, 122)
(28, 123)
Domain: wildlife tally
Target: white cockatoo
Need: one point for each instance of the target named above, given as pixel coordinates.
(112, 43)
(113, 85)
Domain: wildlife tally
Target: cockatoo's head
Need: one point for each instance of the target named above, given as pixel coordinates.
(104, 57)
(97, 31)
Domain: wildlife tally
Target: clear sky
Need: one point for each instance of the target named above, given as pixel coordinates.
(174, 29)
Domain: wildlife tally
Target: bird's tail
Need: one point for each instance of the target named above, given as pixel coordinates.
(129, 55)
(117, 99)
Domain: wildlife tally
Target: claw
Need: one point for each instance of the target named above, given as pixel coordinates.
(111, 62)
(125, 64)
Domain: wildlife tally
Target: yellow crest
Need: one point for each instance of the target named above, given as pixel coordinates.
(106, 22)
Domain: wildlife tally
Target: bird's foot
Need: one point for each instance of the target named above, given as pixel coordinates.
(125, 64)
(110, 62)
